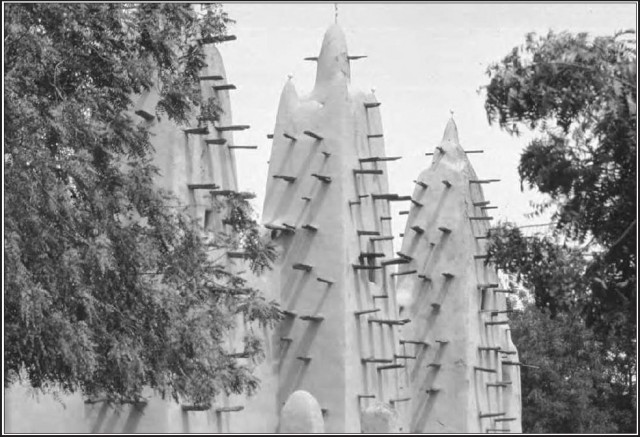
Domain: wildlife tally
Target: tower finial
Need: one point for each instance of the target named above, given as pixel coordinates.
(335, 5)
(451, 111)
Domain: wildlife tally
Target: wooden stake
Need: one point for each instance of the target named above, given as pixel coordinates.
(235, 127)
(313, 135)
(289, 136)
(359, 313)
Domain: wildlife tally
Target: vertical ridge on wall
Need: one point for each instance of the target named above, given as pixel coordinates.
(459, 379)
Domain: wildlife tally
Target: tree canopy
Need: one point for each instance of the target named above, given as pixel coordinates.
(108, 289)
(578, 93)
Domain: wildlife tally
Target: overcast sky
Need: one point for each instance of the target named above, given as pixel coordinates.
(424, 59)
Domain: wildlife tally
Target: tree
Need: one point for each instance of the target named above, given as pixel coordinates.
(579, 94)
(108, 290)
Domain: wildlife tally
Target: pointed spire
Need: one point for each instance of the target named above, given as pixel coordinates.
(288, 97)
(451, 132)
(333, 59)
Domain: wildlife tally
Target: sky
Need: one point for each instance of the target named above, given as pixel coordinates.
(424, 60)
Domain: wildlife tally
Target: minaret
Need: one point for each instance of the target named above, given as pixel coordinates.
(327, 205)
(466, 376)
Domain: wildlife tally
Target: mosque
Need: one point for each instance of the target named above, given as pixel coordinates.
(373, 340)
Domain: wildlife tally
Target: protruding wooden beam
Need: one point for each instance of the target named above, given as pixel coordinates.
(446, 183)
(505, 419)
(442, 342)
(224, 87)
(503, 290)
(386, 196)
(380, 296)
(416, 203)
(325, 153)
(375, 136)
(489, 348)
(380, 158)
(202, 186)
(326, 281)
(497, 384)
(309, 227)
(285, 178)
(487, 415)
(361, 233)
(434, 365)
(404, 357)
(316, 318)
(286, 339)
(485, 369)
(386, 217)
(393, 261)
(417, 229)
(408, 272)
(483, 203)
(279, 228)
(424, 278)
(313, 135)
(361, 312)
(217, 39)
(447, 275)
(289, 136)
(422, 184)
(356, 57)
(144, 114)
(354, 202)
(366, 396)
(415, 342)
(371, 255)
(383, 238)
(390, 321)
(481, 218)
(400, 199)
(488, 207)
(394, 401)
(436, 306)
(440, 149)
(289, 313)
(508, 352)
(482, 256)
(322, 178)
(363, 267)
(311, 58)
(499, 322)
(483, 181)
(444, 230)
(369, 105)
(305, 359)
(212, 77)
(366, 171)
(300, 266)
(242, 147)
(196, 131)
(216, 141)
(473, 151)
(233, 127)
(403, 213)
(204, 407)
(269, 136)
(391, 366)
(487, 285)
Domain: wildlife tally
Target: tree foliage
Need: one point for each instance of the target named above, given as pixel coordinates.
(578, 93)
(108, 288)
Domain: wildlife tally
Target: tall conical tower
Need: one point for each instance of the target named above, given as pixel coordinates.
(466, 377)
(327, 204)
